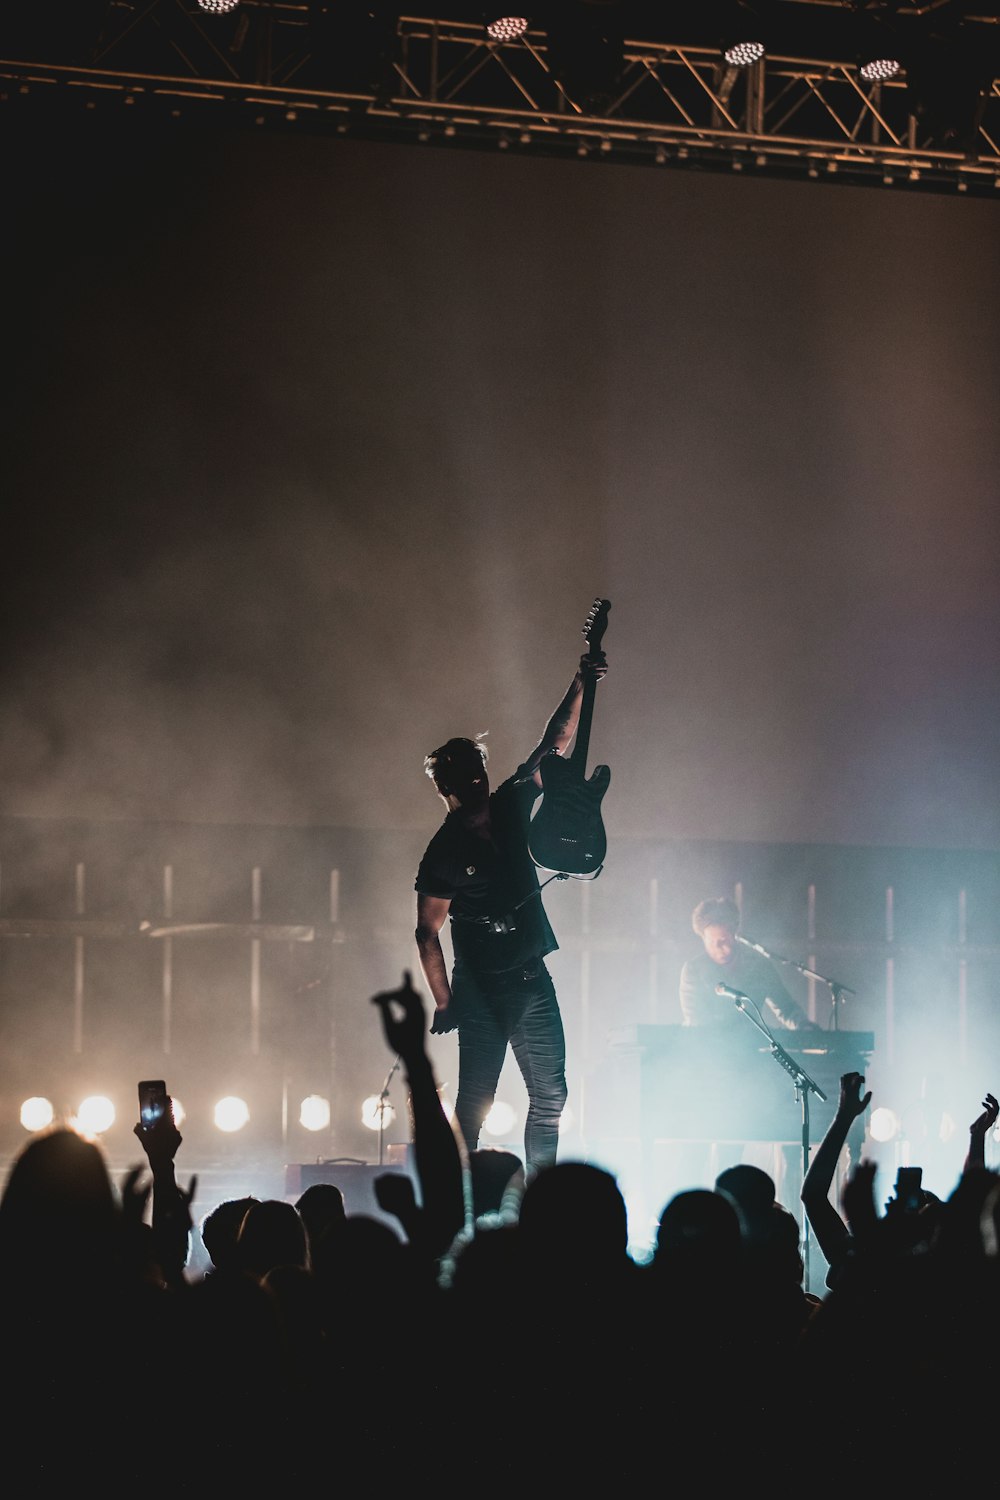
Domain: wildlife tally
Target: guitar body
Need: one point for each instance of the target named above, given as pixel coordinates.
(567, 832)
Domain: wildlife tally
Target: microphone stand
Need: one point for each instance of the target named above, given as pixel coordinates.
(837, 990)
(804, 1086)
(383, 1100)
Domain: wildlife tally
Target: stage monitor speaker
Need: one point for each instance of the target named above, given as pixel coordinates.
(355, 1179)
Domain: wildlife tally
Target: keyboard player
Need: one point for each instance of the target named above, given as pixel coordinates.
(727, 960)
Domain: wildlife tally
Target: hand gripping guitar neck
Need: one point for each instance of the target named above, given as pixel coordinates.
(567, 832)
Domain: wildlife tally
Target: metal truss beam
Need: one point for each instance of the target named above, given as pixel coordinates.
(439, 81)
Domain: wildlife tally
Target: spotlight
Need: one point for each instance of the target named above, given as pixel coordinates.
(883, 1124)
(503, 28)
(231, 1114)
(500, 1120)
(95, 1115)
(878, 49)
(744, 54)
(314, 1113)
(377, 1113)
(37, 1113)
(746, 30)
(878, 69)
(218, 7)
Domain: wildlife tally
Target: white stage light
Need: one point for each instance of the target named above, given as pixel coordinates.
(37, 1113)
(500, 1120)
(883, 1124)
(218, 7)
(878, 69)
(95, 1115)
(506, 28)
(231, 1114)
(314, 1113)
(744, 54)
(376, 1113)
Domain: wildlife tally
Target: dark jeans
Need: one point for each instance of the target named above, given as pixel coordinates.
(518, 1008)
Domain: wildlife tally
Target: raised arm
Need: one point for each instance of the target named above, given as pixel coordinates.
(559, 731)
(832, 1234)
(978, 1131)
(171, 1203)
(436, 1144)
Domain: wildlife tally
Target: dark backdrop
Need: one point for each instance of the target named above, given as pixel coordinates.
(316, 452)
(319, 450)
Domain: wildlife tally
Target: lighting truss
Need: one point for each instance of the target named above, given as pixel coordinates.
(444, 82)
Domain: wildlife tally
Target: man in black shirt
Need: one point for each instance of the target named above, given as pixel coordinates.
(477, 873)
(727, 961)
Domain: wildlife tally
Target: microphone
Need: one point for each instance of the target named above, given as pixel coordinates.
(725, 989)
(748, 943)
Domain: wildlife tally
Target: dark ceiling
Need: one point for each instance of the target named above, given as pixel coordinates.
(637, 82)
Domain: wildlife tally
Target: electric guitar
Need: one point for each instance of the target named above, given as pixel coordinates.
(566, 834)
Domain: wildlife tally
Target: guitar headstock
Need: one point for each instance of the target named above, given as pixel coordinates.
(596, 624)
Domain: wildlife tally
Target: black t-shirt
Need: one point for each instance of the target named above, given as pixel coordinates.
(488, 879)
(749, 972)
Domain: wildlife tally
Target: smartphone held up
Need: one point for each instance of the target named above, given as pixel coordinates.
(154, 1102)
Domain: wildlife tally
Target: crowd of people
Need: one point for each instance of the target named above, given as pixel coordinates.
(492, 1327)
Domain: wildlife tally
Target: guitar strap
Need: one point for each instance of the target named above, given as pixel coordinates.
(505, 923)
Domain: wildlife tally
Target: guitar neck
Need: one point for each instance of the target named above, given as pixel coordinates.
(578, 755)
(594, 632)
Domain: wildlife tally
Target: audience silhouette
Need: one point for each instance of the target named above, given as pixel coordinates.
(492, 1297)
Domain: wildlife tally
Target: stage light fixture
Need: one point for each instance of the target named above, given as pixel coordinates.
(218, 7)
(744, 54)
(95, 1115)
(377, 1113)
(878, 69)
(231, 1114)
(504, 28)
(500, 1120)
(314, 1113)
(878, 46)
(746, 30)
(37, 1113)
(883, 1124)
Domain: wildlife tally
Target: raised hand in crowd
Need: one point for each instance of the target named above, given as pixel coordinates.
(978, 1131)
(404, 1021)
(437, 1150)
(171, 1220)
(395, 1195)
(832, 1234)
(859, 1202)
